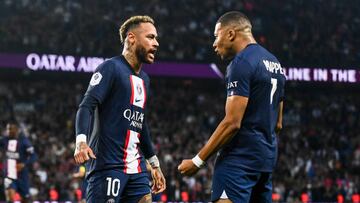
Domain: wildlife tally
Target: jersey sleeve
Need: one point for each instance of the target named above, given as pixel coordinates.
(282, 90)
(239, 77)
(146, 143)
(31, 156)
(99, 86)
(101, 81)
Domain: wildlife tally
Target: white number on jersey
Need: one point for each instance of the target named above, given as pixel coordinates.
(273, 88)
(113, 186)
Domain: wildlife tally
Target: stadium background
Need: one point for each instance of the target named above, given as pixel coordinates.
(319, 150)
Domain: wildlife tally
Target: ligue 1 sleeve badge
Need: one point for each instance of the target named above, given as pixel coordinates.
(95, 79)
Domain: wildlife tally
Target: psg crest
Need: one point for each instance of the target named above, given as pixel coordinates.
(139, 89)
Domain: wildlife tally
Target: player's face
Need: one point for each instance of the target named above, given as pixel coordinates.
(222, 44)
(11, 130)
(146, 44)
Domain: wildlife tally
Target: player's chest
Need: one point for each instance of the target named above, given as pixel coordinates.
(13, 149)
(133, 89)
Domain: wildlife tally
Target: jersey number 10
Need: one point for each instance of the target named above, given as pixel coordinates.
(113, 186)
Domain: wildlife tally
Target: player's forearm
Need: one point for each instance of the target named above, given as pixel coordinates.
(146, 143)
(222, 135)
(83, 115)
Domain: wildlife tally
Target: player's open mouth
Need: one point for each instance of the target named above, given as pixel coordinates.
(152, 53)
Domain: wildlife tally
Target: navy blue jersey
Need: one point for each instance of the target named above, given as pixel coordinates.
(257, 74)
(118, 128)
(17, 150)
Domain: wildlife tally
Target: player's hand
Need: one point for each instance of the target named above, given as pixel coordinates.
(159, 182)
(20, 166)
(188, 168)
(83, 153)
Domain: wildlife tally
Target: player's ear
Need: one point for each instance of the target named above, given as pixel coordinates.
(131, 38)
(231, 34)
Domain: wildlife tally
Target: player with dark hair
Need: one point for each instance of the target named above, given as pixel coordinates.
(246, 137)
(111, 125)
(19, 155)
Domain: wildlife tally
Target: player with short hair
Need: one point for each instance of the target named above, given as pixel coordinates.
(19, 155)
(246, 136)
(111, 122)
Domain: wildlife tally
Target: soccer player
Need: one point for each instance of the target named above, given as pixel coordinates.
(80, 174)
(19, 155)
(246, 136)
(111, 124)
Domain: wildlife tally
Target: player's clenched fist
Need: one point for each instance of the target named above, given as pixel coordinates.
(83, 153)
(188, 168)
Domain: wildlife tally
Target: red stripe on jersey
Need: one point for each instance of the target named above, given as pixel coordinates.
(132, 90)
(137, 147)
(125, 149)
(144, 93)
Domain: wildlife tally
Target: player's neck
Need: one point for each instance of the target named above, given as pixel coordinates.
(133, 61)
(244, 42)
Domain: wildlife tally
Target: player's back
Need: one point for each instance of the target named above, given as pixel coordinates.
(119, 117)
(257, 74)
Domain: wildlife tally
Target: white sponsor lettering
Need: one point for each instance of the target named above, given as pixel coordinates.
(63, 63)
(320, 74)
(136, 118)
(343, 75)
(232, 84)
(300, 74)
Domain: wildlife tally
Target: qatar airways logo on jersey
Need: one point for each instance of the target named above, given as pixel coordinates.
(232, 84)
(136, 118)
(12, 155)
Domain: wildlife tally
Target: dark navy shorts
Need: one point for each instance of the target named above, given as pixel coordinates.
(241, 185)
(21, 186)
(113, 186)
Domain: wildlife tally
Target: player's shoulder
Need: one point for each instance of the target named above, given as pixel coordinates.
(107, 65)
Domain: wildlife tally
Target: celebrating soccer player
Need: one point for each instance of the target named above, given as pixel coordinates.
(246, 136)
(111, 123)
(19, 155)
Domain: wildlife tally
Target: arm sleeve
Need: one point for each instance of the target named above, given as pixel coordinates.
(32, 157)
(84, 114)
(282, 90)
(99, 87)
(239, 78)
(146, 143)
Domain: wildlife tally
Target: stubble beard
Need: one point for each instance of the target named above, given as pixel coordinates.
(141, 54)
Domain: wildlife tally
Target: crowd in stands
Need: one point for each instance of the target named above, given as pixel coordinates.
(299, 32)
(319, 147)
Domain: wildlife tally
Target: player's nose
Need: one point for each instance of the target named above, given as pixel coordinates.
(156, 43)
(215, 45)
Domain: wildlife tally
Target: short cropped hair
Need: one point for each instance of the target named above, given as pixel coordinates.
(237, 19)
(132, 23)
